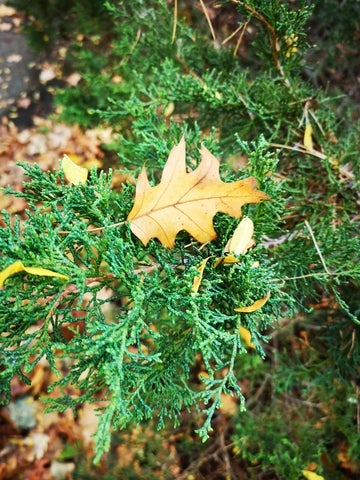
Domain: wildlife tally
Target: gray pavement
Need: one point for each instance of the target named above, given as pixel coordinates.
(16, 61)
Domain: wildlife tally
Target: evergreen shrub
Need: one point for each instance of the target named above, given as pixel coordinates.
(152, 76)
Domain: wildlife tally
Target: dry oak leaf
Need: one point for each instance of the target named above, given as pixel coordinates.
(187, 201)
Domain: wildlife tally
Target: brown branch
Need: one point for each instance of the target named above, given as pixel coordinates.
(316, 245)
(94, 229)
(208, 20)
(238, 43)
(273, 38)
(232, 35)
(174, 21)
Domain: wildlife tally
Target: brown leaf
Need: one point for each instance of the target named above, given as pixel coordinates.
(187, 201)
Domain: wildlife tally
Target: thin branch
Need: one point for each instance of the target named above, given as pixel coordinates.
(225, 455)
(316, 246)
(273, 38)
(309, 275)
(132, 47)
(94, 229)
(315, 153)
(256, 397)
(174, 21)
(208, 19)
(238, 43)
(298, 148)
(232, 35)
(97, 229)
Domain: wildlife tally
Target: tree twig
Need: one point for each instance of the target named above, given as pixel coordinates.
(238, 43)
(174, 21)
(208, 19)
(273, 38)
(317, 246)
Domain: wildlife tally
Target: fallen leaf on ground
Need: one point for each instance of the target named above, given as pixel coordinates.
(6, 11)
(187, 201)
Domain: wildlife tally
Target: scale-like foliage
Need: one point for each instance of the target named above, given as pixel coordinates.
(171, 306)
(137, 353)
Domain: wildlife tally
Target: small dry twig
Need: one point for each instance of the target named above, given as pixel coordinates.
(208, 20)
(238, 43)
(317, 246)
(174, 21)
(273, 38)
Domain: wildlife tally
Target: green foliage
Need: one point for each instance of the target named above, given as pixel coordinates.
(298, 413)
(280, 445)
(140, 344)
(138, 356)
(51, 20)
